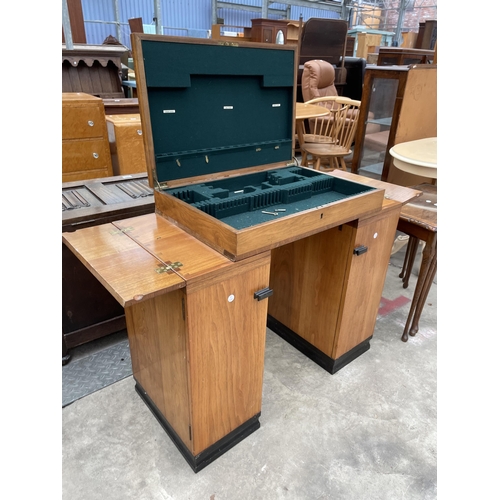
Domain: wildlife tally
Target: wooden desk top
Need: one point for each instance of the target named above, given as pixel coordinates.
(399, 194)
(141, 257)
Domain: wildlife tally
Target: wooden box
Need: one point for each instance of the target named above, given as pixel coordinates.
(230, 180)
(85, 146)
(126, 143)
(266, 30)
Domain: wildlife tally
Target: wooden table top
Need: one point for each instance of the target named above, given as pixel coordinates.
(417, 157)
(422, 211)
(304, 111)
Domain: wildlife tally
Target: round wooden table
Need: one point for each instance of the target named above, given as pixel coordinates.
(417, 157)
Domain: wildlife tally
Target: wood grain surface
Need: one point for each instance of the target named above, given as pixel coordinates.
(227, 332)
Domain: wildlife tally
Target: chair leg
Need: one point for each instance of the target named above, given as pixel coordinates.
(342, 163)
(317, 163)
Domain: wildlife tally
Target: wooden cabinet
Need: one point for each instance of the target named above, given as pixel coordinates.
(126, 144)
(266, 30)
(325, 273)
(94, 69)
(398, 104)
(195, 326)
(85, 145)
(234, 218)
(388, 56)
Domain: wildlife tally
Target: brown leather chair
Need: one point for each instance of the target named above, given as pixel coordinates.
(318, 80)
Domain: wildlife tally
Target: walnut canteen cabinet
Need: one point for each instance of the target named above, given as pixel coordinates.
(241, 238)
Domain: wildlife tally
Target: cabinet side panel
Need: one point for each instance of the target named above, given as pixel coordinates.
(417, 120)
(227, 332)
(366, 280)
(307, 277)
(157, 337)
(130, 148)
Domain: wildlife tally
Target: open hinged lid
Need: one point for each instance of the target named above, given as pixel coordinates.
(210, 107)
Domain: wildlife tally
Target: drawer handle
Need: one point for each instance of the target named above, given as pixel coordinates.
(361, 249)
(263, 294)
(95, 155)
(139, 132)
(91, 123)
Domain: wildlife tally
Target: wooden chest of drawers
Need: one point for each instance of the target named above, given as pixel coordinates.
(126, 144)
(85, 146)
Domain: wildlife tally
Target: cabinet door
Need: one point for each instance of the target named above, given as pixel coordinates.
(307, 277)
(227, 332)
(268, 35)
(365, 281)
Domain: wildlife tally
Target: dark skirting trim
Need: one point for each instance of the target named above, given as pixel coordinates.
(329, 364)
(200, 461)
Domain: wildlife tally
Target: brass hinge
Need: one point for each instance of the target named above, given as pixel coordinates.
(122, 230)
(168, 267)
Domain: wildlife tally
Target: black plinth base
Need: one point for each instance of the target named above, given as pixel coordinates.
(329, 364)
(200, 461)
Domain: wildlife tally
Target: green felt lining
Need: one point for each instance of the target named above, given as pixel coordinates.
(215, 108)
(239, 201)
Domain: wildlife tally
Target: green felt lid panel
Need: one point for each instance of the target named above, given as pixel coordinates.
(215, 108)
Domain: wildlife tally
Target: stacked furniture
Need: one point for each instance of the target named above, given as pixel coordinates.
(85, 144)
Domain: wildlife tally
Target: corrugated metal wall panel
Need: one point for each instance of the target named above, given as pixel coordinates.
(179, 17)
(307, 13)
(95, 15)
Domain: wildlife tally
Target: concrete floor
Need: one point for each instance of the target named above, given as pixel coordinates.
(367, 432)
